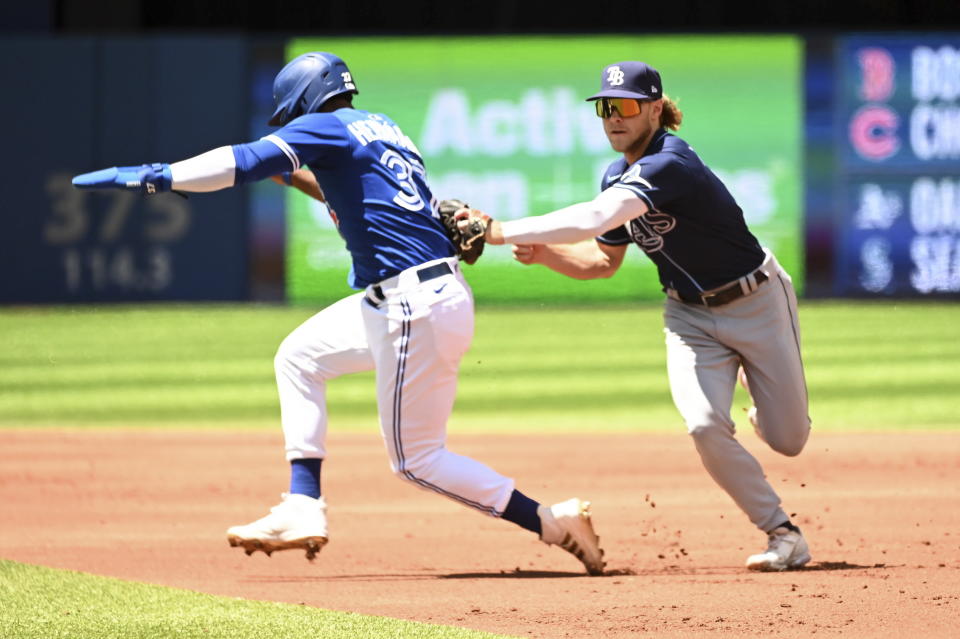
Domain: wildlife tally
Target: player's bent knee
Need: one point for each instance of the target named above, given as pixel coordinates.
(790, 444)
(410, 476)
(414, 469)
(791, 449)
(400, 473)
(286, 353)
(293, 359)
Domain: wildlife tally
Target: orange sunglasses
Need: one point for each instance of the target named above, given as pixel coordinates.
(626, 107)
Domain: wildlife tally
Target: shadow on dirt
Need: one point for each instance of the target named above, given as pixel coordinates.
(503, 574)
(533, 574)
(839, 565)
(518, 573)
(735, 571)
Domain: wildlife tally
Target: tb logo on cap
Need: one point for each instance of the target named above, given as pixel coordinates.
(614, 76)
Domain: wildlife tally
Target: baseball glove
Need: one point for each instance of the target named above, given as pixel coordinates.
(465, 227)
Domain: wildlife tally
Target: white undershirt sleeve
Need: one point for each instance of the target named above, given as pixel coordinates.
(210, 171)
(578, 222)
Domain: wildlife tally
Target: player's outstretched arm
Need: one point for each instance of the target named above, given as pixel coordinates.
(210, 171)
(214, 170)
(574, 223)
(146, 178)
(585, 260)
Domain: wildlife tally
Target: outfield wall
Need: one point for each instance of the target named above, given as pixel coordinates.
(502, 124)
(73, 105)
(844, 152)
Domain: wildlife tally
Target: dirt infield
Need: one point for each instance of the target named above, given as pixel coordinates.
(881, 512)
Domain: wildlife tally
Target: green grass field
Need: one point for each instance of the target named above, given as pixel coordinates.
(869, 366)
(42, 603)
(877, 366)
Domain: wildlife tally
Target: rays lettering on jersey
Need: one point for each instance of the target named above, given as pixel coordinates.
(375, 128)
(648, 230)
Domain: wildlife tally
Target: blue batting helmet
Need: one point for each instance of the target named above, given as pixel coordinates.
(306, 83)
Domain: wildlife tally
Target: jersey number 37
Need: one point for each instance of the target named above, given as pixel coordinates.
(408, 196)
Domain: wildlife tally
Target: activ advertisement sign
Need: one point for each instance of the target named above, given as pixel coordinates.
(502, 124)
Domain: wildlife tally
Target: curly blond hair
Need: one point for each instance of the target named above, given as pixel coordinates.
(671, 116)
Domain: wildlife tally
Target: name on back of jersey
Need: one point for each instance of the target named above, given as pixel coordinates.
(375, 128)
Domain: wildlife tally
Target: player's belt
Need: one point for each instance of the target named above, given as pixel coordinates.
(435, 271)
(726, 293)
(375, 296)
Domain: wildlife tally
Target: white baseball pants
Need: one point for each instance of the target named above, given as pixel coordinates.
(705, 347)
(414, 335)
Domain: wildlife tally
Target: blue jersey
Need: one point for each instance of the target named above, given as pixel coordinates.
(374, 180)
(694, 231)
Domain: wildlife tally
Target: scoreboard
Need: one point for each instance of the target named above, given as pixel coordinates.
(898, 145)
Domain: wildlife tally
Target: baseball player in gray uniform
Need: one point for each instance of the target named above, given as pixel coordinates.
(730, 309)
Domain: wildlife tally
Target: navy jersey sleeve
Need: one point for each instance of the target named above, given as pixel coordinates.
(658, 179)
(615, 237)
(318, 140)
(259, 160)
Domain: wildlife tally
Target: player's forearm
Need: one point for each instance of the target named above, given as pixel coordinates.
(571, 224)
(575, 223)
(220, 168)
(304, 180)
(210, 171)
(582, 261)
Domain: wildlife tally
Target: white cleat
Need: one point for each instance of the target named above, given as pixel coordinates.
(568, 525)
(786, 549)
(298, 521)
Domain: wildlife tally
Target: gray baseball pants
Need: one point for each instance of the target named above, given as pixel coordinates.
(705, 347)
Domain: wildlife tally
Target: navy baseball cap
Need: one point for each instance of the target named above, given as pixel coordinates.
(636, 80)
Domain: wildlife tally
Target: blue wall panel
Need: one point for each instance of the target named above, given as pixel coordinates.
(80, 104)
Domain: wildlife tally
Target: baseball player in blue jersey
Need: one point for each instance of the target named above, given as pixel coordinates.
(730, 310)
(412, 320)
